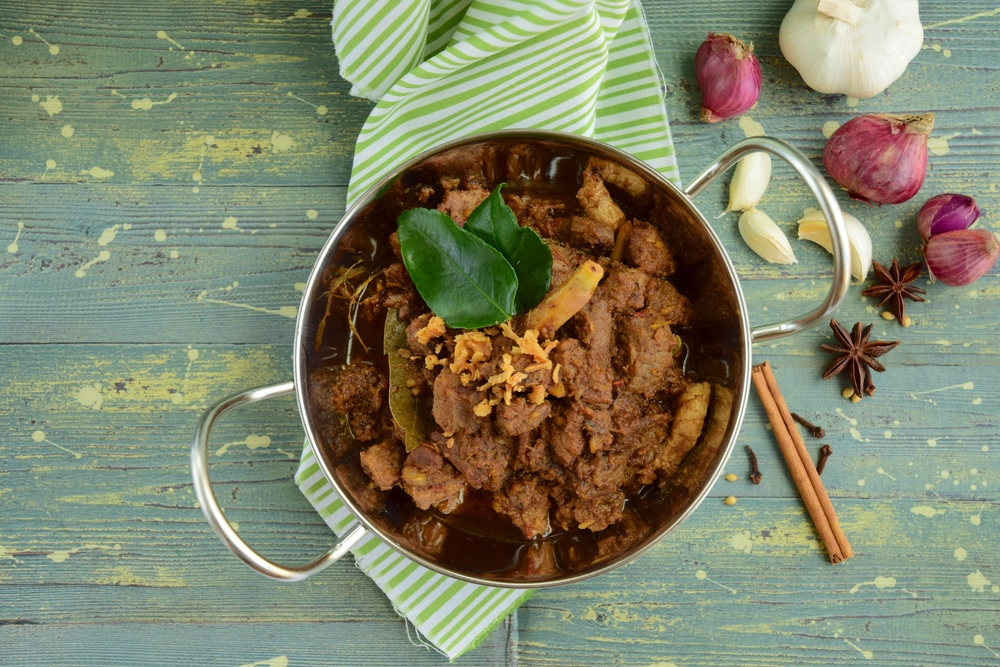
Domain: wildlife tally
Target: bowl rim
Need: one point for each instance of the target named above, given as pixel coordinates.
(741, 382)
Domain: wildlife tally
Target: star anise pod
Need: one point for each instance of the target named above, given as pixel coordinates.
(894, 286)
(857, 355)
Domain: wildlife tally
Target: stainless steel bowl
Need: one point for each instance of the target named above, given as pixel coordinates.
(712, 284)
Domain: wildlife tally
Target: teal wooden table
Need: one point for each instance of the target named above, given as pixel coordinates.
(168, 172)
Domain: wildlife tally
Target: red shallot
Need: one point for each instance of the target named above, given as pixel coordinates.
(961, 257)
(729, 76)
(880, 157)
(946, 213)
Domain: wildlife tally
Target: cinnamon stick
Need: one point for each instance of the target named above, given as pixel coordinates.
(811, 495)
(807, 463)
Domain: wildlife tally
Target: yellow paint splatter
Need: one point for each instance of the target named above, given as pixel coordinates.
(299, 14)
(230, 223)
(52, 105)
(285, 311)
(701, 575)
(829, 127)
(63, 556)
(868, 655)
(280, 142)
(108, 235)
(992, 12)
(145, 104)
(91, 397)
(939, 145)
(103, 256)
(53, 49)
(300, 287)
(161, 34)
(193, 355)
(160, 235)
(960, 554)
(742, 542)
(174, 254)
(851, 420)
(117, 94)
(13, 247)
(979, 640)
(17, 40)
(880, 582)
(924, 510)
(978, 582)
(97, 172)
(66, 131)
(320, 109)
(978, 400)
(251, 441)
(39, 436)
(750, 127)
(49, 166)
(312, 214)
(852, 101)
(277, 661)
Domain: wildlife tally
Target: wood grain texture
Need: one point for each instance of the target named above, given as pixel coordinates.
(106, 560)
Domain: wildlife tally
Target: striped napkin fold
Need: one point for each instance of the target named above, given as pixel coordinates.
(443, 69)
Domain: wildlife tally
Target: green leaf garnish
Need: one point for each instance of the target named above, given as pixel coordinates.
(462, 278)
(494, 222)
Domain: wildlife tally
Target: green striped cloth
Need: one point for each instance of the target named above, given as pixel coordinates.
(443, 69)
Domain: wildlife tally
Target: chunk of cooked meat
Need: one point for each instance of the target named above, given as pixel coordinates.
(587, 234)
(582, 380)
(647, 437)
(624, 288)
(623, 178)
(526, 502)
(565, 260)
(646, 353)
(483, 457)
(645, 249)
(454, 403)
(383, 463)
(521, 416)
(534, 455)
(665, 304)
(689, 418)
(594, 514)
(626, 533)
(564, 434)
(597, 202)
(401, 293)
(545, 215)
(432, 481)
(357, 391)
(459, 204)
(368, 496)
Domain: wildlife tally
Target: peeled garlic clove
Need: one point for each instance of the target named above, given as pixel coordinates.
(749, 182)
(961, 257)
(946, 213)
(880, 157)
(813, 227)
(851, 48)
(765, 238)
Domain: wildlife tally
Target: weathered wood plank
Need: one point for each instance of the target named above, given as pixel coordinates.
(171, 585)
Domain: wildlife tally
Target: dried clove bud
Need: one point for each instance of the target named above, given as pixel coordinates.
(755, 475)
(824, 454)
(817, 431)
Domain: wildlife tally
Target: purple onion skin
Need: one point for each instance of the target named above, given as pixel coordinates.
(946, 213)
(729, 76)
(961, 257)
(880, 158)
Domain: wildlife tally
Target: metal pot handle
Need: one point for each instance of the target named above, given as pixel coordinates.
(210, 506)
(827, 204)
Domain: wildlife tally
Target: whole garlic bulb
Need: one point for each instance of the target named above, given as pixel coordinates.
(851, 47)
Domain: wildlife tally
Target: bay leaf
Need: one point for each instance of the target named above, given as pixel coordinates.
(410, 412)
